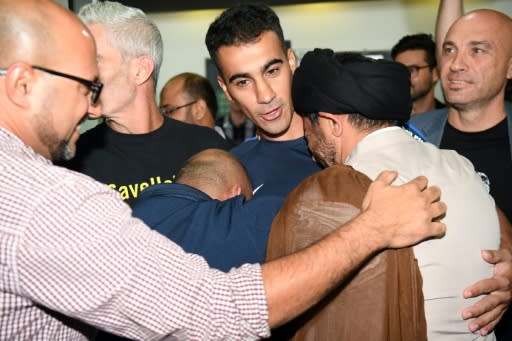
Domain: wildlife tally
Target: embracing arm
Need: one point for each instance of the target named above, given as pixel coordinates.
(392, 217)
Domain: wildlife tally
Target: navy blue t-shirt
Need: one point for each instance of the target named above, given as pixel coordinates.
(276, 167)
(226, 233)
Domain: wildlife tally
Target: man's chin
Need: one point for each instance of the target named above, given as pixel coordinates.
(64, 152)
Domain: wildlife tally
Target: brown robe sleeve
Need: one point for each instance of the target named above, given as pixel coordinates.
(381, 301)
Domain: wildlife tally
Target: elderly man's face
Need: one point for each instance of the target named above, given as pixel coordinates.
(115, 72)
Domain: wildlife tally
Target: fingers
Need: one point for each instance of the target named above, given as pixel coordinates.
(497, 256)
(437, 229)
(403, 215)
(433, 193)
(502, 278)
(486, 286)
(486, 322)
(486, 313)
(420, 182)
(487, 304)
(496, 290)
(437, 210)
(386, 177)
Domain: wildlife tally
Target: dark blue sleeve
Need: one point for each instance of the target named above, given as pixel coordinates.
(227, 234)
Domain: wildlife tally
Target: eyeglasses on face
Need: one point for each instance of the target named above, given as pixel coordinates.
(414, 69)
(169, 110)
(94, 87)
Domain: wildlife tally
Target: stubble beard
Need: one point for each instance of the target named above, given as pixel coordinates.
(60, 150)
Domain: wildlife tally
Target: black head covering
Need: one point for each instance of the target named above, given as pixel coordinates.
(376, 89)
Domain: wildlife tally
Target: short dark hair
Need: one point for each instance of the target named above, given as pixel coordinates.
(242, 24)
(199, 87)
(420, 41)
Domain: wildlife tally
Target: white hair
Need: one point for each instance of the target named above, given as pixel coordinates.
(129, 29)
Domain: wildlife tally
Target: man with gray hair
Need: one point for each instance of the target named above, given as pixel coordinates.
(135, 147)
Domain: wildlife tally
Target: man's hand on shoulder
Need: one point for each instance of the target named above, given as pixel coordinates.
(403, 215)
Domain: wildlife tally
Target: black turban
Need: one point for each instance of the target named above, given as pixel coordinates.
(376, 89)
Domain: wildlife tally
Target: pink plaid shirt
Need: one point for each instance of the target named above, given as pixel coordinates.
(72, 257)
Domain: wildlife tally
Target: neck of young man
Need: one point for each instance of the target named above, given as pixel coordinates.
(294, 131)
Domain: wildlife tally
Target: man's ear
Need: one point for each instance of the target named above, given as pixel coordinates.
(509, 70)
(336, 123)
(292, 59)
(224, 88)
(435, 75)
(229, 193)
(143, 67)
(19, 83)
(235, 190)
(199, 110)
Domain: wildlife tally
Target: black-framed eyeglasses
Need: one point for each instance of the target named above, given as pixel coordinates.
(414, 69)
(94, 87)
(167, 111)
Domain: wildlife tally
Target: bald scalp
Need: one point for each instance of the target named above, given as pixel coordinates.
(501, 23)
(213, 171)
(30, 31)
(25, 33)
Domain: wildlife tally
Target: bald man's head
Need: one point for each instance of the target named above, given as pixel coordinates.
(48, 61)
(190, 98)
(476, 59)
(498, 22)
(217, 173)
(32, 31)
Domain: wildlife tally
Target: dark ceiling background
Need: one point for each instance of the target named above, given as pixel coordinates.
(181, 5)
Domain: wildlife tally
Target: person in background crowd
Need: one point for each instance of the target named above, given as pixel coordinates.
(236, 125)
(418, 53)
(190, 98)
